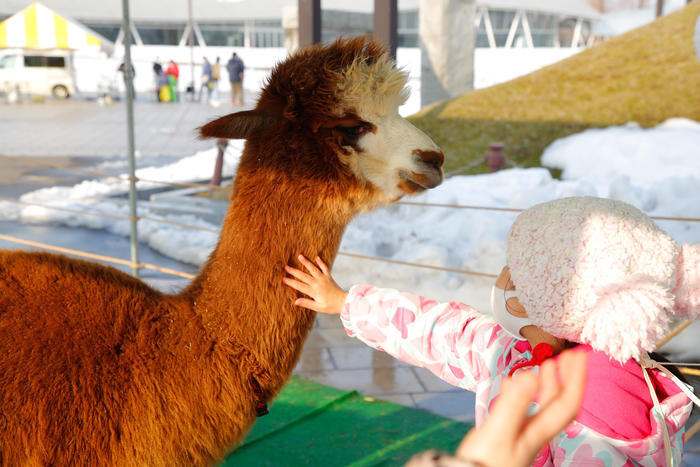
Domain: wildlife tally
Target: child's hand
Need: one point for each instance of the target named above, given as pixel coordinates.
(326, 296)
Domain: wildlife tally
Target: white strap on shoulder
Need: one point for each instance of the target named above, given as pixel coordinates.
(647, 362)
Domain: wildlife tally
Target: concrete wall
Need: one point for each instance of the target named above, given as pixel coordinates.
(446, 30)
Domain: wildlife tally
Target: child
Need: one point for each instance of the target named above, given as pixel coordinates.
(592, 273)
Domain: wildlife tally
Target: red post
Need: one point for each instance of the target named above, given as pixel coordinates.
(495, 158)
(221, 144)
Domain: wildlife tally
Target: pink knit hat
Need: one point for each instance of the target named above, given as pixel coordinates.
(600, 272)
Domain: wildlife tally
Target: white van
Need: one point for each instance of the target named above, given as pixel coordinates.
(37, 72)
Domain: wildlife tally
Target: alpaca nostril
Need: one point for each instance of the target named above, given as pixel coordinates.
(433, 158)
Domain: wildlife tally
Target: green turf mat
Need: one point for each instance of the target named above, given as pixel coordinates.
(312, 424)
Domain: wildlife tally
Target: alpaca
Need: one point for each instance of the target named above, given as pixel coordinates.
(98, 368)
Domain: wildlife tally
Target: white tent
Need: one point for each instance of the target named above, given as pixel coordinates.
(38, 27)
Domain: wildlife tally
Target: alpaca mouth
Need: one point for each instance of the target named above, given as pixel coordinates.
(414, 182)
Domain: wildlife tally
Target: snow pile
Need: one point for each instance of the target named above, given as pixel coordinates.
(108, 196)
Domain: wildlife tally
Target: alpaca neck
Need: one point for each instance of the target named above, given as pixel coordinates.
(239, 293)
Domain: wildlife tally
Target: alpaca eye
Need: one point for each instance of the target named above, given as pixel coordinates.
(353, 131)
(348, 131)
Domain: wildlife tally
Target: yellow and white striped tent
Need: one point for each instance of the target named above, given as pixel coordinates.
(38, 27)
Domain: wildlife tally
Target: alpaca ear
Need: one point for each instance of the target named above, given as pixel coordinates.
(629, 318)
(239, 125)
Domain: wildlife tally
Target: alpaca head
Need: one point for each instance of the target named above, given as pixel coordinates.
(331, 113)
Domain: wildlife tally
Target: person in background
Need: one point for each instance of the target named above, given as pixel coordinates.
(122, 67)
(164, 87)
(235, 68)
(173, 73)
(206, 80)
(215, 75)
(157, 70)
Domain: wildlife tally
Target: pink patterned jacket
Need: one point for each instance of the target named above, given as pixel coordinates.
(468, 349)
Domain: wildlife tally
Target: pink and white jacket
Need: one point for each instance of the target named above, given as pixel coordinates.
(616, 425)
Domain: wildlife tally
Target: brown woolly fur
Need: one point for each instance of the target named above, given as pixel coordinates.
(98, 368)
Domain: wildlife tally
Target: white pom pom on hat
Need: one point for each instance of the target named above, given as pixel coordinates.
(687, 290)
(600, 272)
(629, 317)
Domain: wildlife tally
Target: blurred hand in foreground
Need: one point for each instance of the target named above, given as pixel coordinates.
(508, 436)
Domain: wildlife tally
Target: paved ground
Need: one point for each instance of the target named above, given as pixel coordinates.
(80, 128)
(79, 133)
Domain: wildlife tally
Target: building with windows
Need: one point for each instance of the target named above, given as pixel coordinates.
(524, 34)
(257, 23)
(535, 23)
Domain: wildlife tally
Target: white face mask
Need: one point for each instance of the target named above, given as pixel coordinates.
(510, 323)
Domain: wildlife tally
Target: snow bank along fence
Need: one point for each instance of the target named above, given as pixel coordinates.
(683, 367)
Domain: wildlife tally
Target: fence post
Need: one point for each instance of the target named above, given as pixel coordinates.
(221, 144)
(128, 82)
(386, 24)
(309, 22)
(495, 158)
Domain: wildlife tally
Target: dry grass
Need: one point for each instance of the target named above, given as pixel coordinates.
(647, 75)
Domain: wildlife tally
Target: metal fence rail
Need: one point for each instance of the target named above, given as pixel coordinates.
(137, 265)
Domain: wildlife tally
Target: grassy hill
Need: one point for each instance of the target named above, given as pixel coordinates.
(646, 75)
